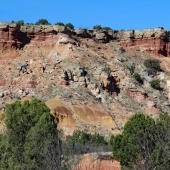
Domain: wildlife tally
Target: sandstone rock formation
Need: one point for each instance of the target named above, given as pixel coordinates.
(95, 161)
(84, 75)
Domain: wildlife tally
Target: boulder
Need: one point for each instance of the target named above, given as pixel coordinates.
(82, 33)
(102, 37)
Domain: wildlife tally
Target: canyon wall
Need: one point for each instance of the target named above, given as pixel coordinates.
(154, 41)
(83, 75)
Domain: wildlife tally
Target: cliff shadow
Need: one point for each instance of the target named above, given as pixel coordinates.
(23, 38)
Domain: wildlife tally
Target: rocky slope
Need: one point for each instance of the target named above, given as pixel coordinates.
(83, 75)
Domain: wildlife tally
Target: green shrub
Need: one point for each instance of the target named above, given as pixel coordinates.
(20, 22)
(137, 77)
(106, 28)
(29, 23)
(131, 68)
(152, 63)
(60, 23)
(82, 142)
(97, 27)
(155, 84)
(69, 25)
(42, 22)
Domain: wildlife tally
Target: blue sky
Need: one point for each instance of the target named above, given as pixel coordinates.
(117, 14)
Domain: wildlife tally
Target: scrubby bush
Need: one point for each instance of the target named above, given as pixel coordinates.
(69, 25)
(60, 23)
(155, 84)
(137, 77)
(97, 27)
(82, 142)
(131, 68)
(106, 28)
(20, 22)
(29, 23)
(152, 63)
(42, 22)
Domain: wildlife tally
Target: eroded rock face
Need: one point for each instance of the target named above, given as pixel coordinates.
(154, 41)
(95, 161)
(86, 82)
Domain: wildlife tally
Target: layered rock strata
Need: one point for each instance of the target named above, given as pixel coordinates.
(154, 41)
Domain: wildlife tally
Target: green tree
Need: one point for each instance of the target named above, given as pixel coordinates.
(155, 84)
(106, 28)
(160, 158)
(97, 27)
(136, 144)
(29, 126)
(42, 22)
(60, 23)
(20, 22)
(69, 25)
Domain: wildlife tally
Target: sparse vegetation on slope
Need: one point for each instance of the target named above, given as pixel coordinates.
(152, 63)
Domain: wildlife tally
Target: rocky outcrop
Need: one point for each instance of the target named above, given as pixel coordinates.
(95, 161)
(154, 41)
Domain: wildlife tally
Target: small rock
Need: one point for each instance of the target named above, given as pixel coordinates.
(121, 59)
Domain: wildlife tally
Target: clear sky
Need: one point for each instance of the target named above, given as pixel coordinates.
(117, 14)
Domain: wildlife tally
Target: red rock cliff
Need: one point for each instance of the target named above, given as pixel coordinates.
(154, 41)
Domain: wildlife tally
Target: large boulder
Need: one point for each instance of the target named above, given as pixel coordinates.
(82, 33)
(102, 37)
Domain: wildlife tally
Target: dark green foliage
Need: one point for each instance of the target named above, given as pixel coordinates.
(81, 142)
(144, 143)
(60, 23)
(29, 125)
(161, 155)
(42, 22)
(136, 142)
(155, 84)
(137, 77)
(106, 28)
(20, 22)
(97, 27)
(69, 25)
(152, 63)
(29, 23)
